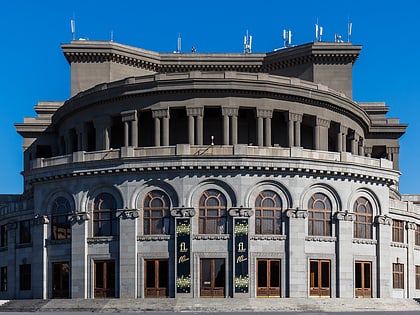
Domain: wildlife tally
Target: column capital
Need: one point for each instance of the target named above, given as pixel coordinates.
(345, 216)
(160, 113)
(392, 150)
(294, 116)
(383, 219)
(195, 111)
(183, 212)
(322, 122)
(129, 115)
(264, 113)
(128, 214)
(41, 219)
(241, 212)
(229, 111)
(79, 217)
(342, 129)
(297, 213)
(368, 150)
(411, 226)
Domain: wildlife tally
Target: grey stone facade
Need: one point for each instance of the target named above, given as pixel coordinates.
(210, 175)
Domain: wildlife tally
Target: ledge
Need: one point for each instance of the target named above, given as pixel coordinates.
(399, 245)
(211, 237)
(154, 237)
(321, 239)
(268, 237)
(102, 239)
(364, 241)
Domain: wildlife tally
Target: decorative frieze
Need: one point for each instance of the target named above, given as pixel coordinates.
(399, 245)
(330, 239)
(262, 237)
(154, 238)
(297, 213)
(241, 212)
(364, 241)
(211, 237)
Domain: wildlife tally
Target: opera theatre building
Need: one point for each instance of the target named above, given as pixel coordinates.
(231, 175)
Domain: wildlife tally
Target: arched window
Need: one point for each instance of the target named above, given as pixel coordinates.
(268, 211)
(104, 215)
(320, 210)
(156, 213)
(212, 212)
(364, 217)
(60, 224)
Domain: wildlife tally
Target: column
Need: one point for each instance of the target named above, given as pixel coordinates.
(39, 261)
(393, 155)
(345, 255)
(157, 132)
(68, 139)
(354, 144)
(297, 131)
(128, 254)
(384, 262)
(195, 125)
(103, 132)
(321, 134)
(294, 124)
(411, 266)
(361, 147)
(267, 131)
(260, 135)
(298, 263)
(264, 126)
(191, 129)
(368, 151)
(82, 137)
(291, 125)
(166, 130)
(341, 139)
(235, 129)
(79, 264)
(130, 128)
(230, 131)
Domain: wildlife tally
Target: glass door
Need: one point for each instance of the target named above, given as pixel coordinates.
(319, 274)
(60, 280)
(104, 279)
(156, 278)
(363, 279)
(212, 275)
(268, 277)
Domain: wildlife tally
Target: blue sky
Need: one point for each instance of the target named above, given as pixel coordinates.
(34, 69)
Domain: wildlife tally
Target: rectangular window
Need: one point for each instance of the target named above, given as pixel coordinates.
(25, 277)
(398, 231)
(25, 232)
(3, 235)
(3, 279)
(398, 276)
(417, 235)
(417, 277)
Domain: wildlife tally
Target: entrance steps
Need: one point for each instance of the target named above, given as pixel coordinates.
(212, 305)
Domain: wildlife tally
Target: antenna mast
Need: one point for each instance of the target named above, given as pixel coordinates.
(178, 46)
(73, 28)
(247, 43)
(287, 38)
(318, 32)
(349, 27)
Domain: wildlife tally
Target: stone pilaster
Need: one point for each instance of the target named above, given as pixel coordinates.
(345, 255)
(103, 132)
(195, 125)
(39, 261)
(384, 224)
(411, 266)
(294, 124)
(128, 253)
(298, 263)
(129, 118)
(321, 134)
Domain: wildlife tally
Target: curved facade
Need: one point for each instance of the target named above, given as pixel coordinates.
(210, 175)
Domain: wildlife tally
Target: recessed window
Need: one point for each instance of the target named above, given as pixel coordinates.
(104, 215)
(268, 213)
(60, 224)
(3, 278)
(25, 232)
(398, 231)
(212, 212)
(364, 217)
(156, 216)
(25, 277)
(3, 235)
(398, 276)
(320, 210)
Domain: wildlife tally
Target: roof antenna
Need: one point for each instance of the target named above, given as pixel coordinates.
(349, 27)
(178, 46)
(318, 31)
(112, 36)
(287, 38)
(247, 43)
(73, 28)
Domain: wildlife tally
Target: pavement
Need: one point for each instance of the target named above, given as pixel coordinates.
(210, 305)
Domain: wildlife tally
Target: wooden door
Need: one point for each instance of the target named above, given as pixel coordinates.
(104, 279)
(363, 279)
(212, 275)
(156, 278)
(60, 280)
(268, 277)
(319, 273)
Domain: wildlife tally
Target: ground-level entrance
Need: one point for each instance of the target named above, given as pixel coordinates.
(319, 278)
(212, 275)
(363, 279)
(156, 276)
(60, 280)
(104, 279)
(268, 277)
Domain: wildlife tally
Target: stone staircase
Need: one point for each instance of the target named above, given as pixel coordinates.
(211, 305)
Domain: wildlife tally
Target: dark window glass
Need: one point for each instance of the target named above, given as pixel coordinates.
(25, 232)
(60, 224)
(3, 278)
(320, 210)
(212, 212)
(268, 212)
(104, 215)
(25, 277)
(364, 218)
(398, 231)
(3, 235)
(417, 277)
(417, 235)
(156, 215)
(398, 276)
